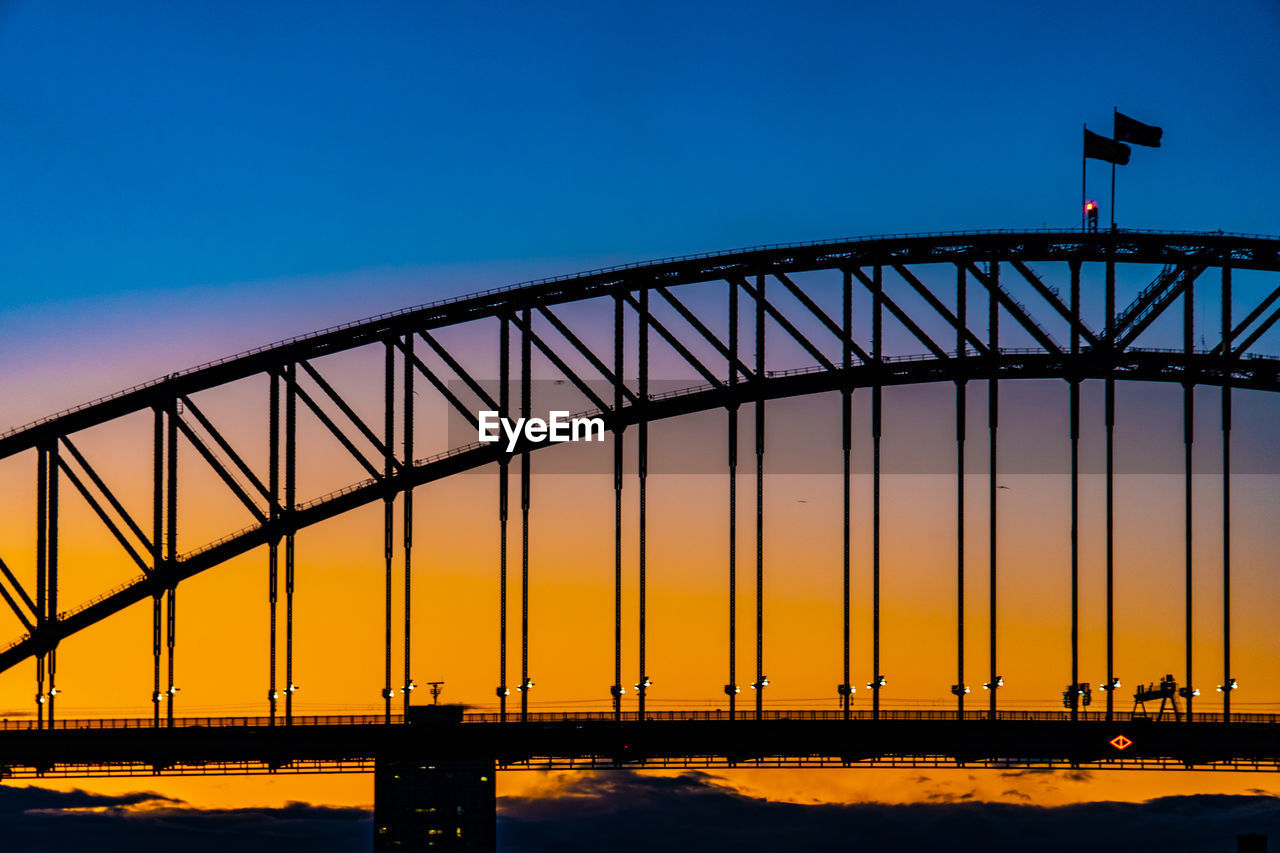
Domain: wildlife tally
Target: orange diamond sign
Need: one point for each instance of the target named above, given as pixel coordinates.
(1121, 742)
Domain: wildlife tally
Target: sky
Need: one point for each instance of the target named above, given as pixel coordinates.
(238, 160)
(181, 182)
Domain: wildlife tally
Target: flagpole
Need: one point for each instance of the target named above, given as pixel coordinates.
(1113, 196)
(1112, 208)
(1084, 224)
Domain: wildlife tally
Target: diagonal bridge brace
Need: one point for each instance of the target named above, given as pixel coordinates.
(555, 359)
(333, 428)
(216, 464)
(22, 593)
(459, 371)
(902, 316)
(1138, 322)
(110, 496)
(1259, 331)
(103, 516)
(1148, 305)
(186, 566)
(701, 328)
(823, 317)
(225, 446)
(587, 353)
(937, 305)
(786, 324)
(1052, 298)
(345, 408)
(1015, 309)
(443, 388)
(671, 339)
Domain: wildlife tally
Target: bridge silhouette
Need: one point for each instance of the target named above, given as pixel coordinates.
(974, 288)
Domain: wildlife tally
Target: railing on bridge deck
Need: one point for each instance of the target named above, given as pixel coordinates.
(540, 717)
(855, 715)
(205, 722)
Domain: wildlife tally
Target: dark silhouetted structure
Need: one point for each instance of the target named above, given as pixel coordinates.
(1166, 691)
(421, 802)
(1251, 842)
(950, 296)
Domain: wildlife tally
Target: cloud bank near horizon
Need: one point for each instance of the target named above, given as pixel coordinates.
(627, 811)
(38, 819)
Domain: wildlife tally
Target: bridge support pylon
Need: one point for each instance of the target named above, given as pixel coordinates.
(422, 802)
(425, 804)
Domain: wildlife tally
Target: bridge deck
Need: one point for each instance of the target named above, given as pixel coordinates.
(671, 739)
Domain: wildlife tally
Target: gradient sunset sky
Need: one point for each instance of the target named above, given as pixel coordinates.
(181, 182)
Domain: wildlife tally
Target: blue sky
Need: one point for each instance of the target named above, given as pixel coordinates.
(182, 180)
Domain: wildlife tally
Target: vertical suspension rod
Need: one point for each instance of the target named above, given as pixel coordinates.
(1188, 440)
(846, 440)
(642, 463)
(504, 472)
(993, 421)
(1228, 683)
(761, 680)
(388, 509)
(526, 390)
(1074, 433)
(290, 501)
(42, 568)
(619, 365)
(1109, 417)
(157, 557)
(877, 354)
(731, 687)
(51, 568)
(961, 416)
(407, 523)
(171, 549)
(273, 546)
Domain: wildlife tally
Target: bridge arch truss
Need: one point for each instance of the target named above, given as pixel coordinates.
(752, 326)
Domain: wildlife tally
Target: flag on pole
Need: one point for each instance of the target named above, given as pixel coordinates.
(1100, 148)
(1130, 130)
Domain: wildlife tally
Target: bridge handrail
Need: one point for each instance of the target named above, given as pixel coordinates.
(205, 722)
(858, 715)
(386, 315)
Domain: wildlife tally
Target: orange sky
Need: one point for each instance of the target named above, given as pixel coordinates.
(221, 656)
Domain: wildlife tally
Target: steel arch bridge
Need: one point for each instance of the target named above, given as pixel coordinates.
(855, 314)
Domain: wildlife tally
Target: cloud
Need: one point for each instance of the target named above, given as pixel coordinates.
(1075, 775)
(37, 819)
(950, 796)
(624, 811)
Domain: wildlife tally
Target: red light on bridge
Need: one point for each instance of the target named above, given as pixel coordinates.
(1091, 215)
(1121, 742)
